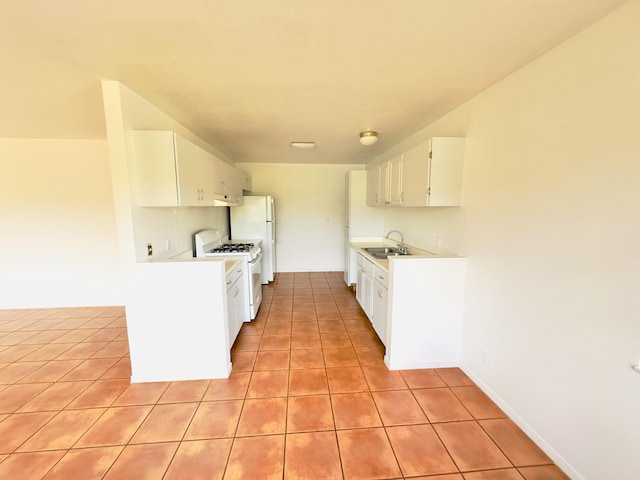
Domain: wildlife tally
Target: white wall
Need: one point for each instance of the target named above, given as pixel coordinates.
(310, 211)
(58, 244)
(125, 112)
(551, 225)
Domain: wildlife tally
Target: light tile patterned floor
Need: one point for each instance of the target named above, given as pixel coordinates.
(309, 398)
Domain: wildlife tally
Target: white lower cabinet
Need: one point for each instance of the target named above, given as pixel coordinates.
(372, 293)
(364, 285)
(415, 307)
(380, 303)
(236, 298)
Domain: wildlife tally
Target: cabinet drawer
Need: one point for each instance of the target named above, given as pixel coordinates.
(361, 260)
(369, 267)
(381, 276)
(233, 275)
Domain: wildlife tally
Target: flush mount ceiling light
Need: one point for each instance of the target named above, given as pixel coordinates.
(368, 138)
(303, 145)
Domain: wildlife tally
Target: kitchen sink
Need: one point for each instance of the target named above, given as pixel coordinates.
(384, 252)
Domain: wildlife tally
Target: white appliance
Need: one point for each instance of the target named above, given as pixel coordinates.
(360, 219)
(209, 243)
(255, 218)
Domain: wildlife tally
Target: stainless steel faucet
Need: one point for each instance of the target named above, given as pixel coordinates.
(401, 248)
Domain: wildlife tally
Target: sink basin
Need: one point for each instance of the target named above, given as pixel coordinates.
(383, 252)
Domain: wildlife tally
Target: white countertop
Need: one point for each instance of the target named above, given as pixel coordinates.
(414, 253)
(187, 256)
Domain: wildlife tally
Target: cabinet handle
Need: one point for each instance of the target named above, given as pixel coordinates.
(228, 282)
(379, 293)
(380, 277)
(237, 292)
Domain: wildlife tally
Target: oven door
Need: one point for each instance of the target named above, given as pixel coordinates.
(255, 285)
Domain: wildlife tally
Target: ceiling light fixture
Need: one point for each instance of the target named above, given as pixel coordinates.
(368, 138)
(303, 145)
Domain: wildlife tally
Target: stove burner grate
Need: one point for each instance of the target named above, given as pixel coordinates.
(233, 247)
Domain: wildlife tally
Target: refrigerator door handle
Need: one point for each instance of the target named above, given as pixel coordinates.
(272, 207)
(273, 233)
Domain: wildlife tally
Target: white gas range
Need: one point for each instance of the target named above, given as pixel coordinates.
(210, 243)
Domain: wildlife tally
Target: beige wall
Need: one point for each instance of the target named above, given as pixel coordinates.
(58, 240)
(310, 213)
(126, 111)
(551, 223)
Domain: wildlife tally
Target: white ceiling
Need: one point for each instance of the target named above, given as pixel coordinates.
(251, 76)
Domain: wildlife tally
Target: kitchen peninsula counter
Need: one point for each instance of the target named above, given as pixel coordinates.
(177, 318)
(424, 305)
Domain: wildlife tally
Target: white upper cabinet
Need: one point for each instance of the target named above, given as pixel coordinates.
(432, 173)
(228, 183)
(246, 182)
(207, 177)
(428, 175)
(384, 183)
(172, 171)
(156, 159)
(394, 172)
(373, 187)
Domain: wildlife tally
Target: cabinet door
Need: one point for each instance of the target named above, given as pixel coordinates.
(395, 181)
(445, 171)
(383, 175)
(368, 296)
(231, 316)
(373, 187)
(243, 301)
(207, 176)
(228, 180)
(236, 180)
(380, 296)
(188, 175)
(239, 299)
(360, 286)
(415, 176)
(246, 182)
(155, 168)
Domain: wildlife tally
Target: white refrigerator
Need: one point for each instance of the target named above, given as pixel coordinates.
(256, 220)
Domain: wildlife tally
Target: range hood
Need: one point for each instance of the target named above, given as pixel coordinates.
(224, 200)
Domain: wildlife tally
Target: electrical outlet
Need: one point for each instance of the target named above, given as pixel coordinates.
(149, 249)
(167, 244)
(437, 241)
